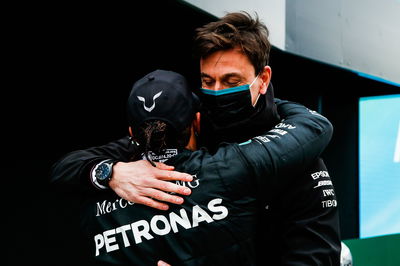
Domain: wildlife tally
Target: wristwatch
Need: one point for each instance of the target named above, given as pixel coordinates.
(101, 173)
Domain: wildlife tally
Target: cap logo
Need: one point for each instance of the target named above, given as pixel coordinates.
(151, 108)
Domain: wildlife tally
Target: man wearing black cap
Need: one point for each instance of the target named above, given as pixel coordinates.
(217, 223)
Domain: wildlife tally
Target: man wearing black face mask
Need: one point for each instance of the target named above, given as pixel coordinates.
(300, 224)
(229, 115)
(298, 227)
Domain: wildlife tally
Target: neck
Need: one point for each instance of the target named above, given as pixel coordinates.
(192, 144)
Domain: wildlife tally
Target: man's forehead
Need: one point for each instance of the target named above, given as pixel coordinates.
(230, 62)
(225, 56)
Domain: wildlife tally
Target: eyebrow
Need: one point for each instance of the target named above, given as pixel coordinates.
(204, 75)
(225, 76)
(232, 74)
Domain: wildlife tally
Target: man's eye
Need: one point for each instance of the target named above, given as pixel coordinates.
(207, 82)
(232, 83)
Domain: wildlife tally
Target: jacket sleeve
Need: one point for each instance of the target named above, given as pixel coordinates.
(72, 170)
(291, 146)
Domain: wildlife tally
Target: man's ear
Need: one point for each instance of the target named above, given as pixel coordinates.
(266, 78)
(196, 123)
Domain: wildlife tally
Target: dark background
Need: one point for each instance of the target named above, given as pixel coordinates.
(71, 67)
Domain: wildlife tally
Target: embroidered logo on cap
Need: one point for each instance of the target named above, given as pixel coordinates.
(151, 108)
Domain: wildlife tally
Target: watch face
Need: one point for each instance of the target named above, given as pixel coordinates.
(103, 171)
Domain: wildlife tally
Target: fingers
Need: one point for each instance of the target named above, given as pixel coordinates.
(153, 197)
(152, 203)
(141, 183)
(162, 263)
(162, 196)
(172, 175)
(143, 197)
(168, 187)
(163, 166)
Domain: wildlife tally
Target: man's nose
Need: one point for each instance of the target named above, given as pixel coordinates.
(218, 86)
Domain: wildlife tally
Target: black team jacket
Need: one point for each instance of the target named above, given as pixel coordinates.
(266, 201)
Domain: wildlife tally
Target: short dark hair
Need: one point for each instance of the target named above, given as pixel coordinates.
(157, 135)
(237, 29)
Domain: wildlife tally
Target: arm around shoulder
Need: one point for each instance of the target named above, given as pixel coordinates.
(292, 145)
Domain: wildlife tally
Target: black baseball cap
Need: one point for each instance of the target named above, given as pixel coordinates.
(162, 95)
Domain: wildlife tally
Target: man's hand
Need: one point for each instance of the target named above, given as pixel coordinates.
(162, 263)
(141, 183)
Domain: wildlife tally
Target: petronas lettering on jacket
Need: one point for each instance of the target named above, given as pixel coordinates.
(142, 230)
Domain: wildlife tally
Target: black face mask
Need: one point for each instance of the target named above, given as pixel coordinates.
(229, 116)
(224, 109)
